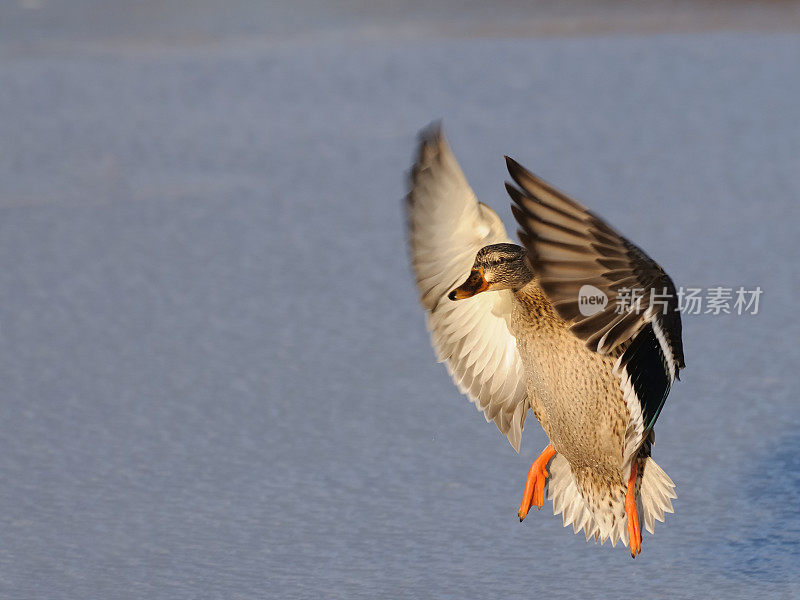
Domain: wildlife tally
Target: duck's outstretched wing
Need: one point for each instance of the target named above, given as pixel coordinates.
(446, 228)
(569, 247)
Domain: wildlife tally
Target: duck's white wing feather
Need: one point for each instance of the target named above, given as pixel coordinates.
(447, 227)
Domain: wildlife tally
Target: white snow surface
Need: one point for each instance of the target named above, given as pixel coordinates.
(216, 379)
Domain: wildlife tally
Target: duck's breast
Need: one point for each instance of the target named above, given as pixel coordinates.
(573, 390)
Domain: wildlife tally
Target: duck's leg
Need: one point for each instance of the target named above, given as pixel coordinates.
(534, 485)
(634, 532)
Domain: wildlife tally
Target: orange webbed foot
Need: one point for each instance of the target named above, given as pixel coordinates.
(534, 485)
(634, 532)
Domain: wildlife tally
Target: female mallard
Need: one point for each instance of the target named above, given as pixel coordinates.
(520, 332)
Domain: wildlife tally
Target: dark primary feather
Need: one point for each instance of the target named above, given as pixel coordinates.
(569, 247)
(646, 366)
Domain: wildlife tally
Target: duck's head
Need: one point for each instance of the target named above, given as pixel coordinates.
(496, 267)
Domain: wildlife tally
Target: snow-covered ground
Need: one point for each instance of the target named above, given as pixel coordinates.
(216, 380)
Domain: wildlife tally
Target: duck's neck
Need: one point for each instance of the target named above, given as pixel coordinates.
(523, 275)
(531, 296)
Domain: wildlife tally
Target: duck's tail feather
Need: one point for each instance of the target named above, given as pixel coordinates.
(567, 499)
(656, 492)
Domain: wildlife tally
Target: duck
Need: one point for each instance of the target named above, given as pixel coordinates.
(576, 324)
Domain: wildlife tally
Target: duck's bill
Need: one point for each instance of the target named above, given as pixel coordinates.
(475, 284)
